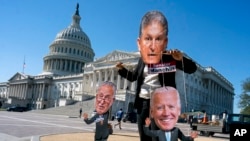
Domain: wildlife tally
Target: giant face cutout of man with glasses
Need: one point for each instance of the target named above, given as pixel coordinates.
(105, 97)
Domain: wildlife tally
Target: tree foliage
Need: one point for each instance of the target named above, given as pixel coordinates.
(244, 102)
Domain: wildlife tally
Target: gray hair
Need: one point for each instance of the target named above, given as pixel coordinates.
(153, 16)
(108, 83)
(165, 90)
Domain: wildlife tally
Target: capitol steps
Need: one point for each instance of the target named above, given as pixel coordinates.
(70, 110)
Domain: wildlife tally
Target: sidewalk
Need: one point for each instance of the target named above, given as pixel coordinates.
(113, 137)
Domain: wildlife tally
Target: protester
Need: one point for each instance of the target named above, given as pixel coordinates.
(104, 99)
(165, 109)
(80, 112)
(152, 43)
(119, 115)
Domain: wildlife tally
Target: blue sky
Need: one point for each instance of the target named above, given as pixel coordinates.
(213, 32)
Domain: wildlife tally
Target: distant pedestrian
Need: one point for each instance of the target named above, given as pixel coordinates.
(119, 115)
(191, 121)
(80, 111)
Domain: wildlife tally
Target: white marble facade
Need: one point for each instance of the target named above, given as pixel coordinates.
(205, 89)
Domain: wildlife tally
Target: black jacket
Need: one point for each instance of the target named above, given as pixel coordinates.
(102, 130)
(175, 134)
(166, 79)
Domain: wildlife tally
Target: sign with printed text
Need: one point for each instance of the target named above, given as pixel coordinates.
(239, 132)
(162, 67)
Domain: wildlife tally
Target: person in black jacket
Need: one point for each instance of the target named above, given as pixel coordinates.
(156, 67)
(105, 97)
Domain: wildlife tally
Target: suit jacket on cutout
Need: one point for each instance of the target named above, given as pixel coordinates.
(101, 131)
(166, 79)
(175, 134)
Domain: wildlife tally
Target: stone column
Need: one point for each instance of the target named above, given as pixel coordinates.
(17, 90)
(94, 82)
(26, 91)
(79, 67)
(14, 90)
(106, 74)
(222, 98)
(60, 64)
(216, 94)
(57, 64)
(43, 89)
(66, 65)
(70, 66)
(99, 77)
(40, 92)
(118, 82)
(75, 66)
(213, 95)
(9, 93)
(51, 64)
(112, 75)
(35, 92)
(209, 93)
(21, 91)
(49, 95)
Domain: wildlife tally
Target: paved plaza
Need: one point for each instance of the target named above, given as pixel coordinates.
(114, 137)
(32, 126)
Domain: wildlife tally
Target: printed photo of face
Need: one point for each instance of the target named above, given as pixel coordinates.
(165, 109)
(152, 43)
(104, 99)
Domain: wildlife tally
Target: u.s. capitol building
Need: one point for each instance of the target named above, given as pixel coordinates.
(71, 74)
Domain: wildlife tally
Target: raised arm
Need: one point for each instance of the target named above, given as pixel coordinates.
(127, 74)
(87, 120)
(182, 137)
(147, 131)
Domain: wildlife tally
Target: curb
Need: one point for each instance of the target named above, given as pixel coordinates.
(35, 138)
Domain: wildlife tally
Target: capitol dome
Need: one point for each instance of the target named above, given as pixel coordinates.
(70, 50)
(74, 32)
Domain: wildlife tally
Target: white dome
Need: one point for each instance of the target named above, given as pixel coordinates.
(69, 51)
(74, 33)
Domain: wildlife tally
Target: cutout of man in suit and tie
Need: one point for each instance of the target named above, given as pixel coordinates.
(105, 97)
(165, 109)
(156, 66)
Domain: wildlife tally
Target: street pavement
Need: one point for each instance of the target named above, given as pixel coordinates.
(32, 126)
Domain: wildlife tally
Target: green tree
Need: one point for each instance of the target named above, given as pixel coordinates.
(244, 102)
